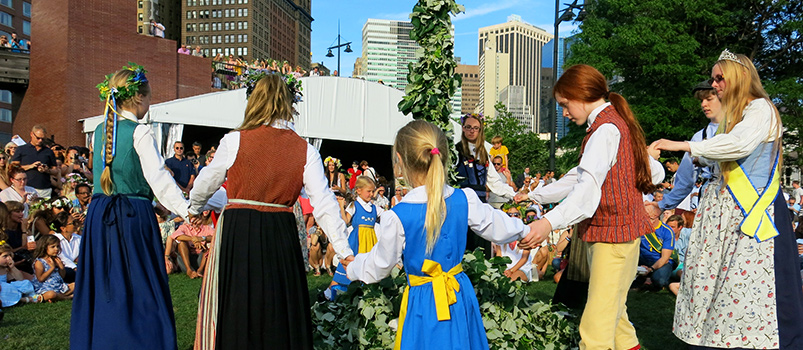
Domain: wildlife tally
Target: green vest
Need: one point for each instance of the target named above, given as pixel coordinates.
(126, 169)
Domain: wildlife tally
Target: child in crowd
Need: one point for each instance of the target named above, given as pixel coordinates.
(14, 288)
(428, 228)
(50, 271)
(520, 266)
(499, 150)
(69, 240)
(362, 216)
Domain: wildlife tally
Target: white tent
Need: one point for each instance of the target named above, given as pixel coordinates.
(332, 108)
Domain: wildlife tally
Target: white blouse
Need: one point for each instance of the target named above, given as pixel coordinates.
(367, 206)
(758, 125)
(494, 181)
(325, 208)
(581, 188)
(491, 224)
(153, 169)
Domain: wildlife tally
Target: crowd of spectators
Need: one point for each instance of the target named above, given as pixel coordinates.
(14, 43)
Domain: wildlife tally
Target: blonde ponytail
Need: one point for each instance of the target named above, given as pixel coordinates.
(421, 148)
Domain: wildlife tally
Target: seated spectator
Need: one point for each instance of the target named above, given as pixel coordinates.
(520, 267)
(656, 256)
(19, 191)
(321, 252)
(657, 196)
(10, 149)
(794, 209)
(50, 271)
(69, 242)
(675, 222)
(15, 229)
(83, 195)
(15, 287)
(192, 246)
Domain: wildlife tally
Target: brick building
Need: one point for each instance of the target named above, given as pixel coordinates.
(263, 29)
(78, 42)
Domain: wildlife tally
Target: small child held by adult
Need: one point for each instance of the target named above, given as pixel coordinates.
(498, 149)
(50, 271)
(15, 288)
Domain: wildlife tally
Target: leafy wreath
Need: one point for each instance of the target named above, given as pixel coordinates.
(251, 76)
(129, 90)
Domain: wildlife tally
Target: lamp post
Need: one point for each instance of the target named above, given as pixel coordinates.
(338, 46)
(568, 15)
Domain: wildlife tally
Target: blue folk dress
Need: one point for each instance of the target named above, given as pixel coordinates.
(420, 328)
(361, 240)
(122, 299)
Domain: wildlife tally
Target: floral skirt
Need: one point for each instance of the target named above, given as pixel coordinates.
(737, 292)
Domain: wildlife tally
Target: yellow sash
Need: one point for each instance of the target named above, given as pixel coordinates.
(444, 286)
(757, 222)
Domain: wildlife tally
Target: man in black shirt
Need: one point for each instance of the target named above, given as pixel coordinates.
(38, 161)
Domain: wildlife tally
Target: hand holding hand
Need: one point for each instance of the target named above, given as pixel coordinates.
(345, 262)
(654, 152)
(539, 231)
(521, 197)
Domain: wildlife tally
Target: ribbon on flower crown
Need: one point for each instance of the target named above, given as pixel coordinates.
(757, 221)
(111, 106)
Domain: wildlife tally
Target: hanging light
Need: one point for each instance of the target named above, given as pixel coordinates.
(329, 54)
(348, 49)
(582, 15)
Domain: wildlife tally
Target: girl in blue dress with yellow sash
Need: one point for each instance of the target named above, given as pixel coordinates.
(122, 299)
(363, 217)
(428, 228)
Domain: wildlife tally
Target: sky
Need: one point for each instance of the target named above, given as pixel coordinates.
(352, 15)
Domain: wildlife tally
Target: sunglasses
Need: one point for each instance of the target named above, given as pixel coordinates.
(514, 215)
(497, 163)
(717, 78)
(179, 147)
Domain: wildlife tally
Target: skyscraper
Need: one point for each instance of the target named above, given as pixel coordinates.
(564, 44)
(386, 51)
(263, 29)
(471, 86)
(494, 76)
(523, 44)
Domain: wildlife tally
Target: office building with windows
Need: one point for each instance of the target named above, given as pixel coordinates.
(470, 74)
(253, 29)
(522, 43)
(387, 50)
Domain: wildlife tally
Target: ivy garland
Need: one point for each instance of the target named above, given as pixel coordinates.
(248, 79)
(431, 80)
(129, 90)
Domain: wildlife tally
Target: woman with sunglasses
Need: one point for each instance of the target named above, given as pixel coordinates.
(475, 173)
(741, 285)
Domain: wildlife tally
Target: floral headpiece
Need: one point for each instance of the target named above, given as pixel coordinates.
(478, 116)
(39, 205)
(74, 179)
(61, 203)
(730, 56)
(332, 159)
(250, 77)
(129, 90)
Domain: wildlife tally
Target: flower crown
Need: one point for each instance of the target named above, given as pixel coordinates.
(472, 115)
(74, 179)
(730, 56)
(332, 159)
(250, 77)
(129, 90)
(61, 203)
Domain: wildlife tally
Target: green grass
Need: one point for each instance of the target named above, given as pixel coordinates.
(47, 326)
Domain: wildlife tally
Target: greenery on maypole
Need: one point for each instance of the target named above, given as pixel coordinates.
(431, 81)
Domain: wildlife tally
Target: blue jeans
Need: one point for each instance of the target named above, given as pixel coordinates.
(660, 277)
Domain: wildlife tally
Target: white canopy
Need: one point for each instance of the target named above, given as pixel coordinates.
(333, 108)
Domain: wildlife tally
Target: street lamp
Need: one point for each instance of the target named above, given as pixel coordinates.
(338, 46)
(568, 15)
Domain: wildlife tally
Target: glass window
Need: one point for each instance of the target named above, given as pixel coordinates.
(189, 2)
(140, 16)
(227, 25)
(139, 4)
(245, 51)
(245, 12)
(239, 12)
(189, 14)
(245, 25)
(5, 115)
(245, 38)
(6, 3)
(5, 19)
(26, 9)
(26, 27)
(5, 96)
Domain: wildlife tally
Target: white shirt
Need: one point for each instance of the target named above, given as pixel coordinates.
(493, 180)
(758, 125)
(153, 169)
(581, 188)
(69, 249)
(367, 206)
(491, 224)
(515, 255)
(325, 208)
(10, 194)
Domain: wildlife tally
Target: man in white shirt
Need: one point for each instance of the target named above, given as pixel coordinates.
(797, 192)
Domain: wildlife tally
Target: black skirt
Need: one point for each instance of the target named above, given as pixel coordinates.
(263, 301)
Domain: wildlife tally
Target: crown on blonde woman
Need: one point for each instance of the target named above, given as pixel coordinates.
(730, 56)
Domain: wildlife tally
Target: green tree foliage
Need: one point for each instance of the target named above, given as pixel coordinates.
(659, 49)
(526, 149)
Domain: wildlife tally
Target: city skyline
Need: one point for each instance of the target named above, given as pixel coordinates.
(478, 14)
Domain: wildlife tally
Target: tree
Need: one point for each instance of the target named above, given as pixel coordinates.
(526, 149)
(660, 49)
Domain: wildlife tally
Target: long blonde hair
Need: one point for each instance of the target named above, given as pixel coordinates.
(420, 152)
(743, 85)
(118, 80)
(270, 101)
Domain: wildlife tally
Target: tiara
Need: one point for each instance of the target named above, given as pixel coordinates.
(730, 56)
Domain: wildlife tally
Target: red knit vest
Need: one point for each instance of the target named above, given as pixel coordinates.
(621, 216)
(269, 168)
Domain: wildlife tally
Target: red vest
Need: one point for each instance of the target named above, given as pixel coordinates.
(621, 216)
(269, 168)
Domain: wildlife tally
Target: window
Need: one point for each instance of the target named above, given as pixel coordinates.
(239, 25)
(245, 51)
(227, 26)
(140, 17)
(5, 19)
(189, 15)
(239, 12)
(214, 39)
(245, 12)
(189, 2)
(245, 25)
(239, 51)
(6, 3)
(5, 96)
(139, 5)
(26, 9)
(245, 38)
(5, 115)
(26, 27)
(139, 29)
(194, 14)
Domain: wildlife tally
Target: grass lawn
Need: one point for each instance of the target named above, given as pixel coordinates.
(47, 326)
